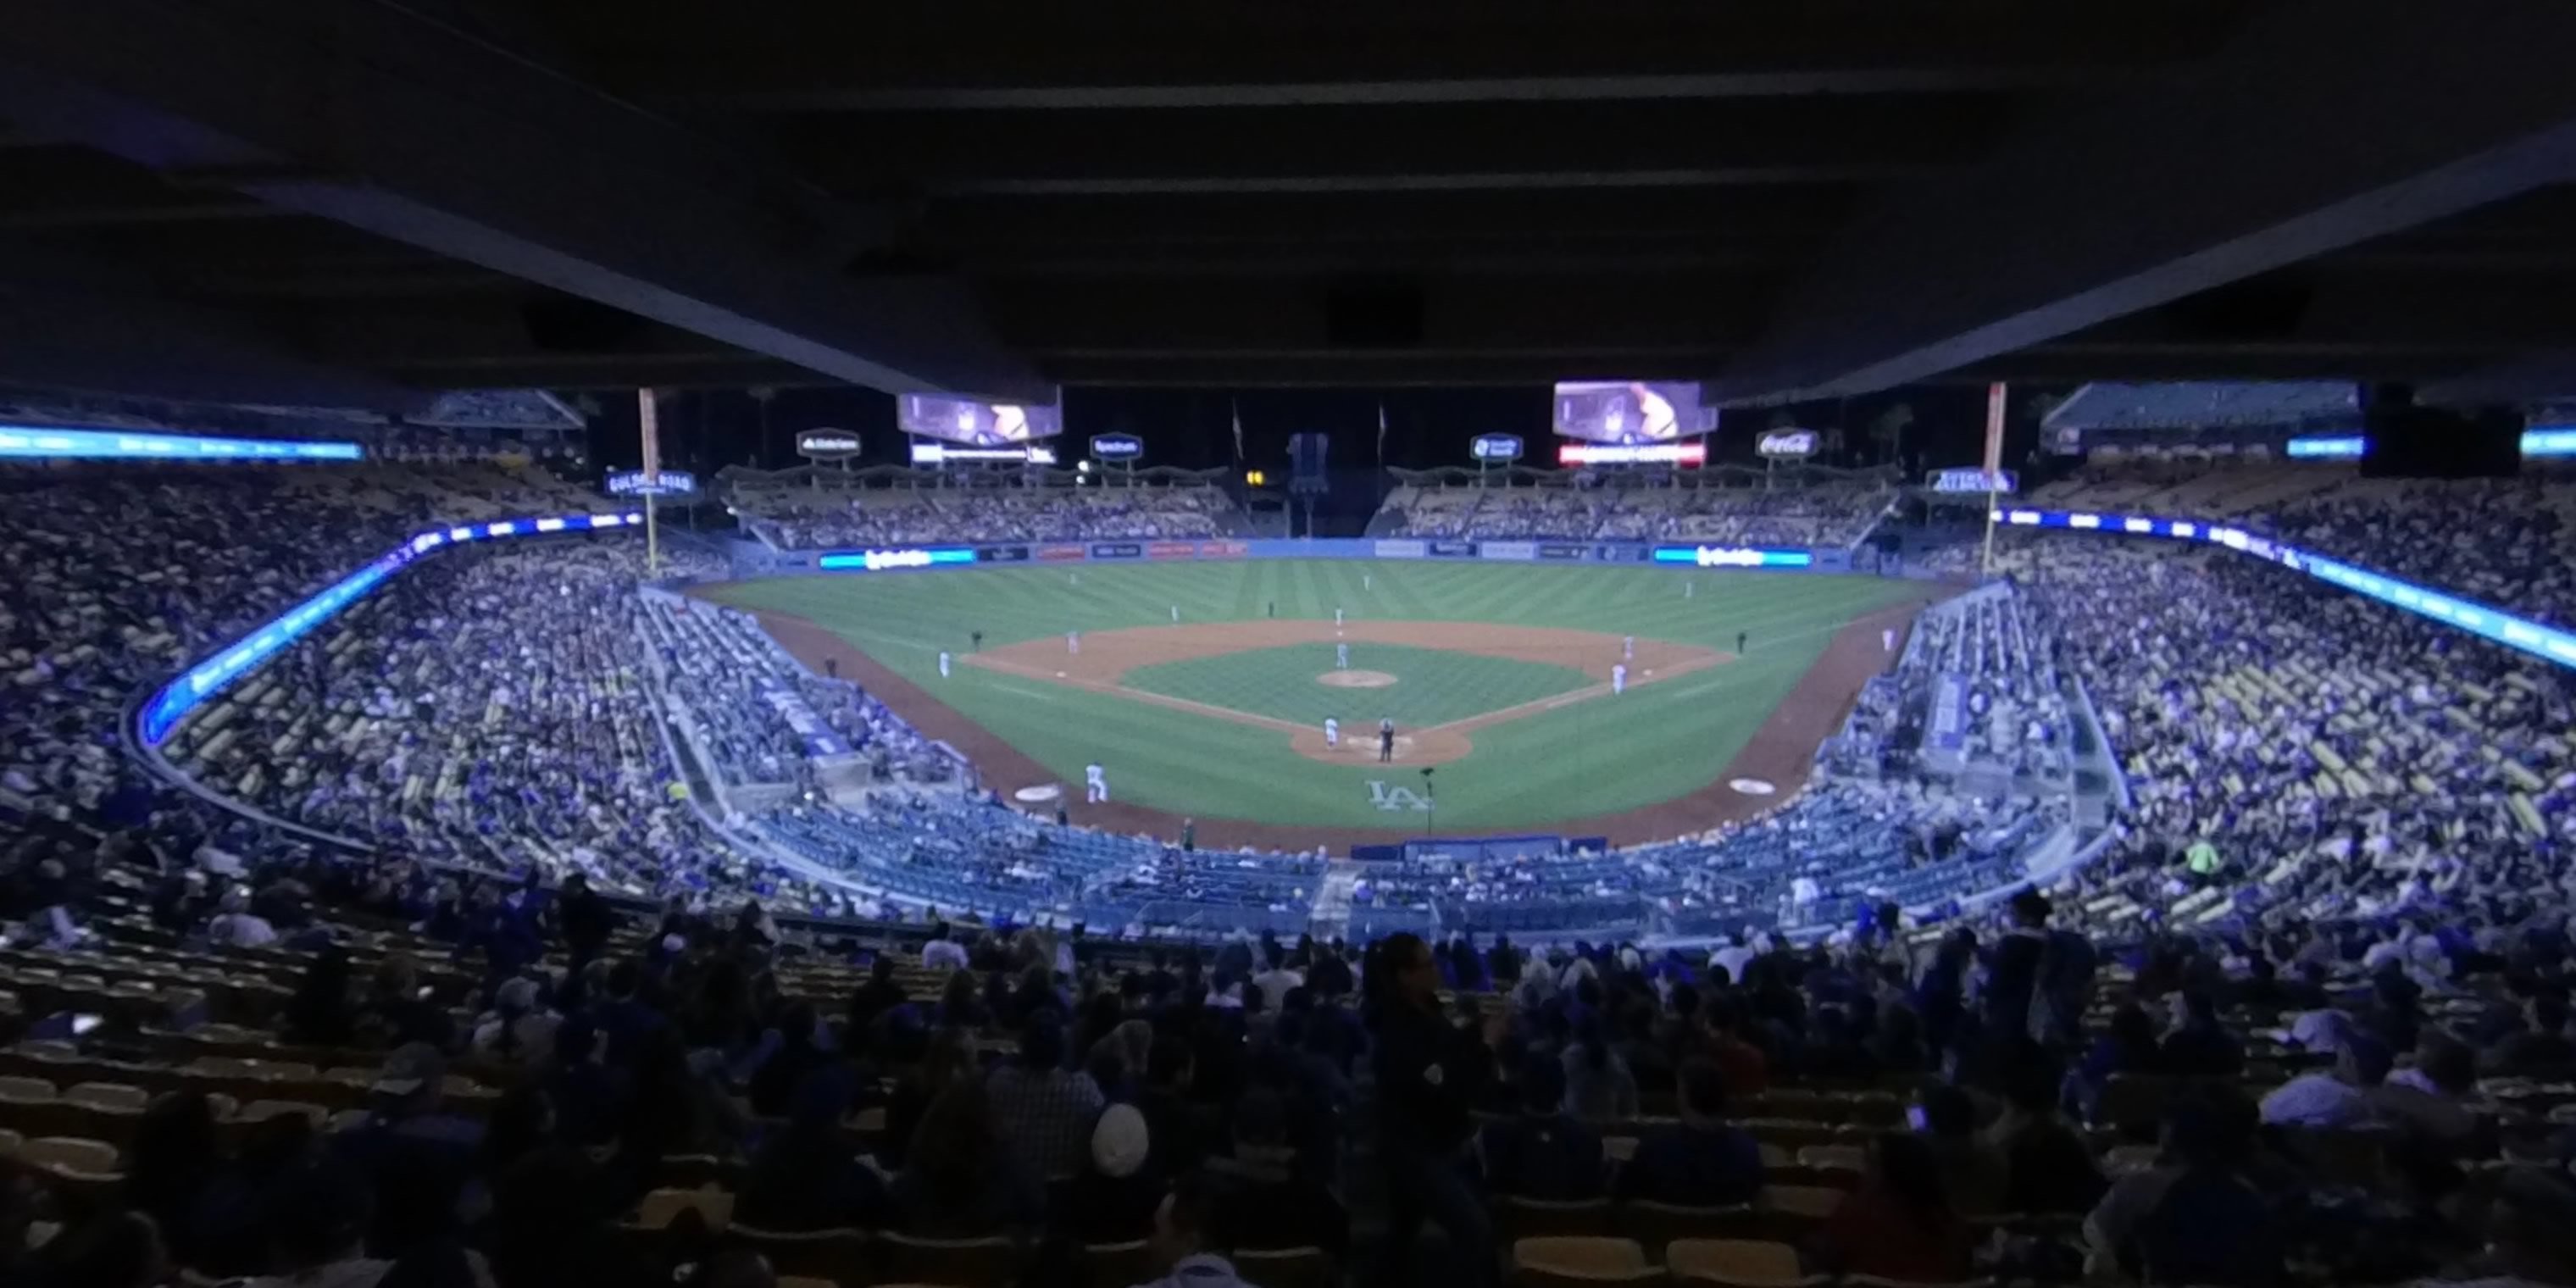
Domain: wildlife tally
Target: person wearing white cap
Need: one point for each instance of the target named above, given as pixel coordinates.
(1116, 1201)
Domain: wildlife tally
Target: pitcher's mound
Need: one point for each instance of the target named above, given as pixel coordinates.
(1355, 679)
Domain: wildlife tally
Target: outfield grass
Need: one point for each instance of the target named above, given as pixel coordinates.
(1433, 686)
(1590, 757)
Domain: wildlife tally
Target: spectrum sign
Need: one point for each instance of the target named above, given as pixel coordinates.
(881, 560)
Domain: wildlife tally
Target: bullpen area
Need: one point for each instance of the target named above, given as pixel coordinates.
(1592, 701)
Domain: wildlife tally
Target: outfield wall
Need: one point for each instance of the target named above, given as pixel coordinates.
(755, 560)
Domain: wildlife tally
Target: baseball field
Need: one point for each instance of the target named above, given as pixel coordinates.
(1203, 689)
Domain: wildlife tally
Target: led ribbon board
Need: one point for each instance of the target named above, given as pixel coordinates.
(37, 442)
(880, 560)
(2486, 621)
(199, 683)
(1734, 557)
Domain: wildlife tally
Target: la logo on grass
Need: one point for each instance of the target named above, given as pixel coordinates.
(1397, 797)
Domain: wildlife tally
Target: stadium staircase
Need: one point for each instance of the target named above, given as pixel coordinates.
(1331, 915)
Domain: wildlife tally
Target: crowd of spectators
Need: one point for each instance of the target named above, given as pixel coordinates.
(2018, 1098)
(2338, 880)
(2315, 755)
(906, 516)
(1808, 513)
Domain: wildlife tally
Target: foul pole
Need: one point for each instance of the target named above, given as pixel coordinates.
(1994, 463)
(649, 424)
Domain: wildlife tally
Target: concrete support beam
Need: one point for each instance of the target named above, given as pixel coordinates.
(372, 116)
(2324, 123)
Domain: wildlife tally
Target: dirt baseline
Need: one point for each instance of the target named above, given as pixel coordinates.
(1780, 752)
(1100, 662)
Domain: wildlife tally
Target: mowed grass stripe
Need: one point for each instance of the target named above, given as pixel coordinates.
(1433, 686)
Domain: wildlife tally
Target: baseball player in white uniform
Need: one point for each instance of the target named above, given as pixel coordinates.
(1332, 733)
(1095, 785)
(1176, 612)
(943, 664)
(1341, 657)
(1073, 642)
(1337, 619)
(1618, 679)
(1887, 640)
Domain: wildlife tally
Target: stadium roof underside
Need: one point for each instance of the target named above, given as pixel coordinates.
(350, 202)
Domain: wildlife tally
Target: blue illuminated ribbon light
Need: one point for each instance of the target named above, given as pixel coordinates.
(200, 683)
(879, 560)
(1734, 557)
(44, 442)
(2483, 620)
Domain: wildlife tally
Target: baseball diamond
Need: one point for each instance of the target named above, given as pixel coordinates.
(1203, 688)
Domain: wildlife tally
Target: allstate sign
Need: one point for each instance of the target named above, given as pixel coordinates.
(826, 444)
(1495, 447)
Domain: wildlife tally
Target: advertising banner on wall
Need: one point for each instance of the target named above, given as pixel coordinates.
(1403, 550)
(1172, 550)
(1117, 550)
(1453, 549)
(1495, 447)
(1508, 549)
(1551, 550)
(1057, 554)
(1001, 554)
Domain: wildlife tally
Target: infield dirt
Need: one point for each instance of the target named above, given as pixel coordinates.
(1107, 656)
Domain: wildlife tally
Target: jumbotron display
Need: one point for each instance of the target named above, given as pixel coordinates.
(1631, 411)
(976, 423)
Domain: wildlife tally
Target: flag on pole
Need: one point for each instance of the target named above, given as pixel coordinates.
(1381, 431)
(1237, 413)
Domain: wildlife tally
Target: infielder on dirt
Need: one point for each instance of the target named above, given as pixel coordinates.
(1628, 648)
(1618, 678)
(1332, 734)
(1095, 785)
(1073, 642)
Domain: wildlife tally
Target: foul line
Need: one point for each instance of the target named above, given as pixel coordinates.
(990, 662)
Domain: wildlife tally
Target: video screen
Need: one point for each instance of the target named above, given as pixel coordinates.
(976, 423)
(1631, 411)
